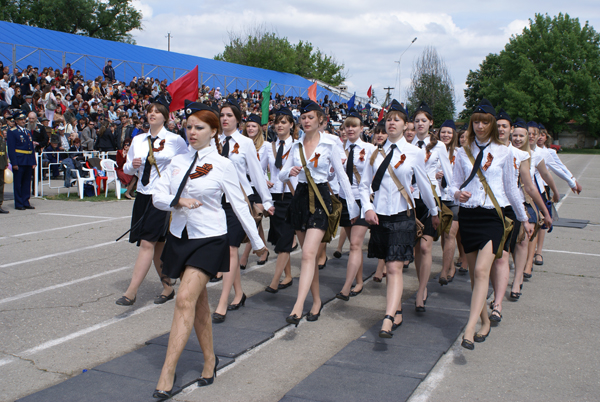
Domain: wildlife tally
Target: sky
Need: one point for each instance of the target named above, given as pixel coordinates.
(368, 37)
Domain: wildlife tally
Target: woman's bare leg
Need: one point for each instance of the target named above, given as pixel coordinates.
(310, 242)
(480, 264)
(356, 234)
(229, 278)
(394, 289)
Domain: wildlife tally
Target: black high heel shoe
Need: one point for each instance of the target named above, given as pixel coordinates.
(442, 280)
(342, 296)
(293, 319)
(240, 304)
(263, 262)
(467, 344)
(162, 395)
(324, 265)
(394, 325)
(218, 318)
(203, 382)
(481, 338)
(420, 309)
(314, 317)
(387, 334)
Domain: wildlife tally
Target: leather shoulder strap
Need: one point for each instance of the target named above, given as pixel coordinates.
(312, 186)
(398, 183)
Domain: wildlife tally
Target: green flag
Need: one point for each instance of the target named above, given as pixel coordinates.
(266, 93)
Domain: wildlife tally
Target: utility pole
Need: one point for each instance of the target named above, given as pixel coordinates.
(388, 98)
(400, 69)
(169, 41)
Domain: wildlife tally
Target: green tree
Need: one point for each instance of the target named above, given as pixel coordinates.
(103, 19)
(549, 73)
(431, 82)
(259, 48)
(473, 93)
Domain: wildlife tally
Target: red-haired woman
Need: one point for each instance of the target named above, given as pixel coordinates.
(197, 247)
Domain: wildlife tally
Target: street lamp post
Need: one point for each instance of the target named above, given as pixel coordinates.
(398, 73)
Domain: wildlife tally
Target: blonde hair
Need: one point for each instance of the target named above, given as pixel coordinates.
(259, 139)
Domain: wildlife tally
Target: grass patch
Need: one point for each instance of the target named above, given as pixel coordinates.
(75, 197)
(584, 151)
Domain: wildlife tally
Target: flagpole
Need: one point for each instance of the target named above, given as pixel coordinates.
(400, 69)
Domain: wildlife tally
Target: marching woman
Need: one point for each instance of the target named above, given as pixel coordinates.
(526, 169)
(449, 138)
(481, 221)
(197, 247)
(436, 159)
(391, 214)
(520, 154)
(148, 156)
(553, 163)
(242, 152)
(281, 232)
(311, 160)
(379, 138)
(357, 155)
(254, 131)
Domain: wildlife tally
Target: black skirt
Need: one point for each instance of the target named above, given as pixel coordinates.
(254, 198)
(299, 215)
(394, 238)
(511, 242)
(235, 230)
(345, 217)
(210, 255)
(477, 226)
(452, 207)
(147, 222)
(423, 215)
(281, 232)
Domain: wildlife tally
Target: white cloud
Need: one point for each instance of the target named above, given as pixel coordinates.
(367, 39)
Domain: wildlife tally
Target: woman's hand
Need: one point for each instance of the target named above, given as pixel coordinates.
(270, 211)
(439, 175)
(463, 196)
(555, 198)
(435, 221)
(528, 229)
(270, 184)
(371, 217)
(136, 163)
(260, 252)
(189, 203)
(295, 170)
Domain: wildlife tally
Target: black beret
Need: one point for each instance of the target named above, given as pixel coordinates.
(353, 113)
(232, 102)
(448, 123)
(309, 106)
(485, 107)
(254, 118)
(541, 126)
(502, 115)
(285, 111)
(520, 123)
(396, 106)
(192, 107)
(423, 107)
(164, 100)
(19, 115)
(532, 124)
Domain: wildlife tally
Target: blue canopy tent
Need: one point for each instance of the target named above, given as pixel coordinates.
(22, 45)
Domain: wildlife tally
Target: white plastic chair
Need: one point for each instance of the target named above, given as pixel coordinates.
(82, 180)
(108, 165)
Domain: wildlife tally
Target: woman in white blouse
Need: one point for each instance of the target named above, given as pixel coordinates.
(148, 156)
(481, 228)
(391, 214)
(308, 216)
(281, 232)
(357, 155)
(242, 152)
(197, 247)
(436, 159)
(253, 130)
(449, 138)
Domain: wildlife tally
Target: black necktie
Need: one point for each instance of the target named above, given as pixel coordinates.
(183, 181)
(225, 151)
(147, 166)
(477, 164)
(382, 168)
(279, 157)
(350, 164)
(420, 145)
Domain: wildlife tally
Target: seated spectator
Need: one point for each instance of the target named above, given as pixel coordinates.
(73, 161)
(52, 155)
(88, 136)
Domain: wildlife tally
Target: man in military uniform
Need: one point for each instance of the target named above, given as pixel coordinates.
(21, 154)
(3, 165)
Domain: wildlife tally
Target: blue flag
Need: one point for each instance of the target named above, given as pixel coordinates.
(351, 101)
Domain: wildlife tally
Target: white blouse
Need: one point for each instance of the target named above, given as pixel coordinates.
(242, 153)
(173, 145)
(362, 156)
(500, 176)
(261, 154)
(407, 160)
(208, 219)
(518, 157)
(278, 185)
(446, 193)
(555, 168)
(325, 155)
(436, 160)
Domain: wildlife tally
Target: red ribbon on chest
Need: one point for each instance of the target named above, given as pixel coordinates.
(201, 171)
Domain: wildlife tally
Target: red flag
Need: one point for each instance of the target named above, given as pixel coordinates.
(184, 88)
(369, 92)
(312, 92)
(380, 117)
